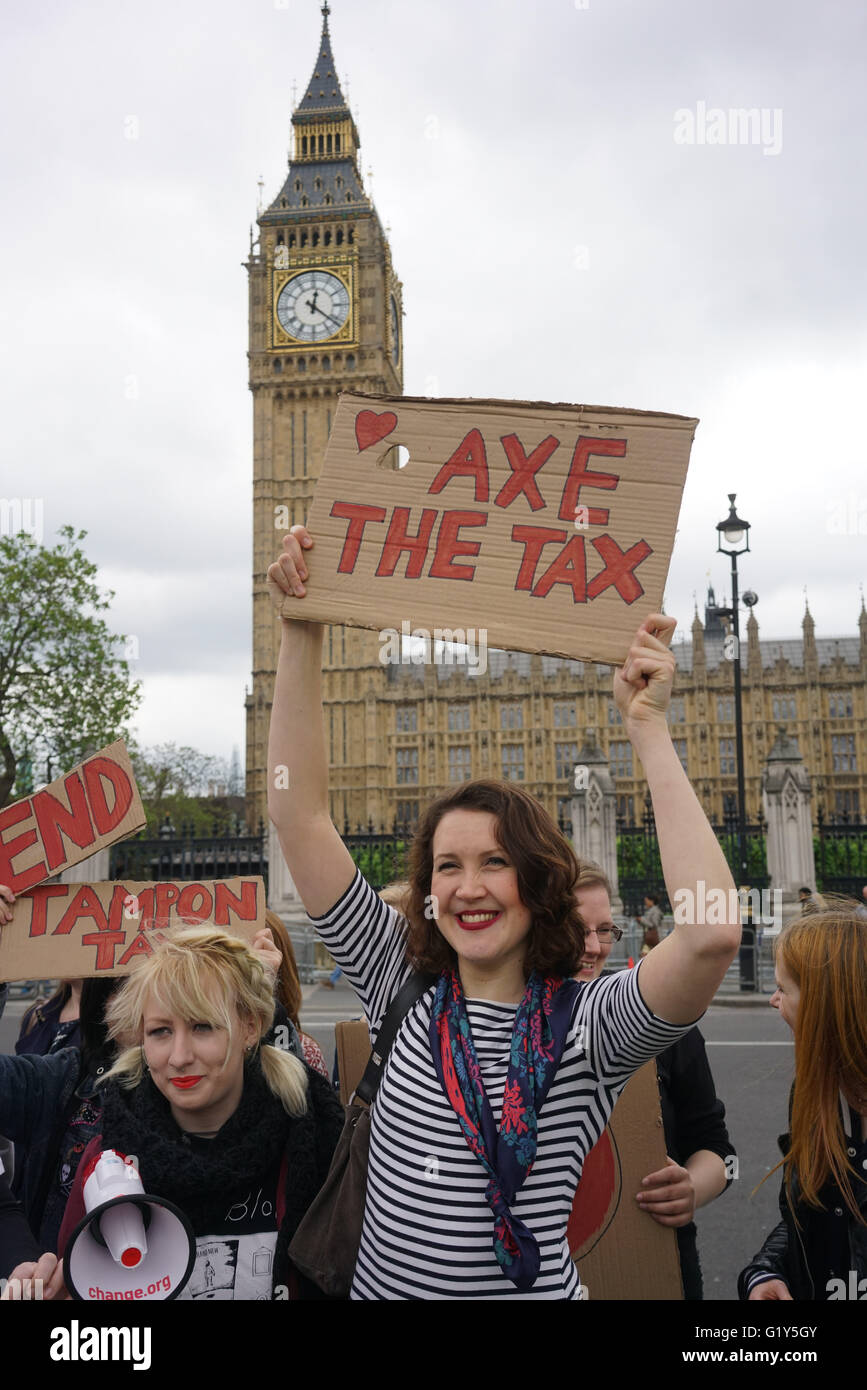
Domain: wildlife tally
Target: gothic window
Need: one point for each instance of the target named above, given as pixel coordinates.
(328, 205)
(326, 366)
(676, 711)
(349, 197)
(302, 364)
(407, 765)
(843, 752)
(277, 365)
(338, 182)
(337, 143)
(328, 145)
(680, 750)
(459, 715)
(279, 238)
(511, 717)
(350, 361)
(625, 810)
(566, 755)
(316, 238)
(326, 236)
(292, 239)
(283, 203)
(317, 183)
(297, 185)
(339, 236)
(784, 708)
(351, 236)
(407, 814)
(613, 713)
(459, 763)
(724, 709)
(727, 757)
(321, 144)
(620, 759)
(846, 803)
(303, 238)
(564, 716)
(513, 762)
(305, 201)
(406, 719)
(840, 705)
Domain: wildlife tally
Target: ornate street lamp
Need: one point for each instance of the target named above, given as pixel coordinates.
(734, 540)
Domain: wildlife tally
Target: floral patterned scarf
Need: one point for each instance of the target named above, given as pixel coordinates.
(538, 1038)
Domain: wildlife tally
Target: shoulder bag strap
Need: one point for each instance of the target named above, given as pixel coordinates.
(399, 1007)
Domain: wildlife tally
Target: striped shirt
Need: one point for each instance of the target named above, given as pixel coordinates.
(428, 1231)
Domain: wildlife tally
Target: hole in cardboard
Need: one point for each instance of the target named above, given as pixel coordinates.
(394, 458)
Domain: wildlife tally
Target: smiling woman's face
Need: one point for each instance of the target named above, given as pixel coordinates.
(475, 888)
(196, 1065)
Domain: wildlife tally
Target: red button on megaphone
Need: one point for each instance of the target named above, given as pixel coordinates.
(129, 1245)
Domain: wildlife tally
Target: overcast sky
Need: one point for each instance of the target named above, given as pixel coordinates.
(556, 238)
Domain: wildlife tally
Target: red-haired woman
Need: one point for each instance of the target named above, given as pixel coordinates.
(819, 1249)
(504, 1071)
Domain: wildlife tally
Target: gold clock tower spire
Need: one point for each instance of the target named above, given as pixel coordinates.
(325, 316)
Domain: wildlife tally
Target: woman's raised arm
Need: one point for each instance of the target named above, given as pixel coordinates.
(681, 975)
(319, 862)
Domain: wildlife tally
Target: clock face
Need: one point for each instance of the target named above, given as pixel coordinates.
(313, 306)
(395, 332)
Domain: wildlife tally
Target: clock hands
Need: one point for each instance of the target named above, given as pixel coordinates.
(315, 309)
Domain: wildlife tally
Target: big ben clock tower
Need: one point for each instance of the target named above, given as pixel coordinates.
(325, 316)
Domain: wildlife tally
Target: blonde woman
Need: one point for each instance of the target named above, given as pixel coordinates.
(236, 1133)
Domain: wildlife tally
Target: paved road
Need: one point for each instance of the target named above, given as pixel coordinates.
(751, 1055)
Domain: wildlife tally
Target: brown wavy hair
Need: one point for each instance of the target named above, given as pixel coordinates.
(545, 864)
(826, 955)
(288, 988)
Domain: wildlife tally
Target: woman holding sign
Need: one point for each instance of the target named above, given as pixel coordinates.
(236, 1133)
(503, 1073)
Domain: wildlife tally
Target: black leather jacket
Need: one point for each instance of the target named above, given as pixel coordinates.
(783, 1255)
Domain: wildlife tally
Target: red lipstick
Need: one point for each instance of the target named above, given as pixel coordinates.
(477, 926)
(184, 1083)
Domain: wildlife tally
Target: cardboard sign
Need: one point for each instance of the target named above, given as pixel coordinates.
(620, 1251)
(93, 806)
(548, 528)
(71, 930)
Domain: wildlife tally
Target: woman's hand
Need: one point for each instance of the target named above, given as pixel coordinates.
(668, 1195)
(642, 686)
(287, 575)
(265, 947)
(38, 1280)
(771, 1288)
(7, 900)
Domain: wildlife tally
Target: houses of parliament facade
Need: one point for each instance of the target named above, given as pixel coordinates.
(325, 316)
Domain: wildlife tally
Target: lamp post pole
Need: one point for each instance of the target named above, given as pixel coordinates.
(732, 531)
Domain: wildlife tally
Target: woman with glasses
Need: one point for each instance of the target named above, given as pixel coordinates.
(701, 1160)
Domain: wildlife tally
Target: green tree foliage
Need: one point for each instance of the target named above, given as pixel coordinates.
(185, 786)
(65, 684)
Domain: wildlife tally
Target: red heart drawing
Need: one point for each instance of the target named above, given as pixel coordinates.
(370, 427)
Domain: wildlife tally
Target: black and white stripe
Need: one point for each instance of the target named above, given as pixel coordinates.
(427, 1228)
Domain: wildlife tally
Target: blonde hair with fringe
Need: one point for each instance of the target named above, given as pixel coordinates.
(203, 975)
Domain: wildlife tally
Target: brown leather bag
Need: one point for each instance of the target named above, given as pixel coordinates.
(325, 1245)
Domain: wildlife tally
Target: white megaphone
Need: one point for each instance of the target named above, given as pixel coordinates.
(129, 1245)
